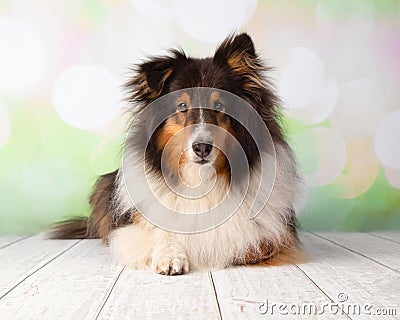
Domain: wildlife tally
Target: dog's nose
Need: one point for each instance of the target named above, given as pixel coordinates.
(202, 149)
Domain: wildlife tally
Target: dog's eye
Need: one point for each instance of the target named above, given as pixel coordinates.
(182, 107)
(218, 106)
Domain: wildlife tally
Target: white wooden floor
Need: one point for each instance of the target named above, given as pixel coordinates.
(349, 276)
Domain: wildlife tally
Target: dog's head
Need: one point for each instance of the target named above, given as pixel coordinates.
(187, 100)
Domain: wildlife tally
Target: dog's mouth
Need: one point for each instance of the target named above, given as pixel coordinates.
(202, 161)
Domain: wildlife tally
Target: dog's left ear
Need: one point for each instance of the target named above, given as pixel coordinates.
(238, 53)
(235, 47)
(152, 75)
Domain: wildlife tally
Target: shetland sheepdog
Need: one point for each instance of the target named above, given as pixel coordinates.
(187, 144)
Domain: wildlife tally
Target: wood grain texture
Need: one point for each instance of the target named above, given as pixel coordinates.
(342, 273)
(73, 286)
(244, 293)
(8, 240)
(25, 257)
(393, 236)
(142, 294)
(73, 279)
(383, 251)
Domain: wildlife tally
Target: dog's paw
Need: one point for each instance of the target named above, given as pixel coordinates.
(170, 264)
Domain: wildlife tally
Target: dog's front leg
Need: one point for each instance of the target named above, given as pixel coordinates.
(168, 257)
(138, 247)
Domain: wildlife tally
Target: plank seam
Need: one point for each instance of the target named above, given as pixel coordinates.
(215, 294)
(36, 270)
(356, 252)
(382, 237)
(15, 241)
(320, 289)
(108, 293)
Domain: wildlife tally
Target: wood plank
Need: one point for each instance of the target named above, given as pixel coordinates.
(245, 293)
(25, 257)
(393, 236)
(8, 240)
(72, 286)
(380, 250)
(142, 294)
(348, 276)
(59, 279)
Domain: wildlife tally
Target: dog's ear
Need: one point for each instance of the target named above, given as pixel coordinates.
(234, 48)
(238, 53)
(249, 73)
(152, 75)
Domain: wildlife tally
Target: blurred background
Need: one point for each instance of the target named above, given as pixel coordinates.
(337, 68)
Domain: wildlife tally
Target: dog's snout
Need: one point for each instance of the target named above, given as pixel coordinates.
(202, 149)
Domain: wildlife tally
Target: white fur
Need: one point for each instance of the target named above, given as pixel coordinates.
(145, 245)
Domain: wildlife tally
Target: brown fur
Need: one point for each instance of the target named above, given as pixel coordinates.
(100, 222)
(265, 252)
(74, 228)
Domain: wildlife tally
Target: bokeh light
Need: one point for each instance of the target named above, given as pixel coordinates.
(131, 36)
(393, 177)
(86, 96)
(154, 8)
(374, 209)
(336, 65)
(5, 127)
(351, 60)
(387, 140)
(322, 155)
(358, 99)
(22, 55)
(211, 21)
(360, 171)
(320, 108)
(302, 79)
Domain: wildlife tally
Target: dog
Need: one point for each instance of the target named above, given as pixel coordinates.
(188, 146)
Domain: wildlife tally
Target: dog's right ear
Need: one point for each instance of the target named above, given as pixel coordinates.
(152, 75)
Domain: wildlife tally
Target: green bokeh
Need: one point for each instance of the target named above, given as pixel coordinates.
(47, 169)
(377, 209)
